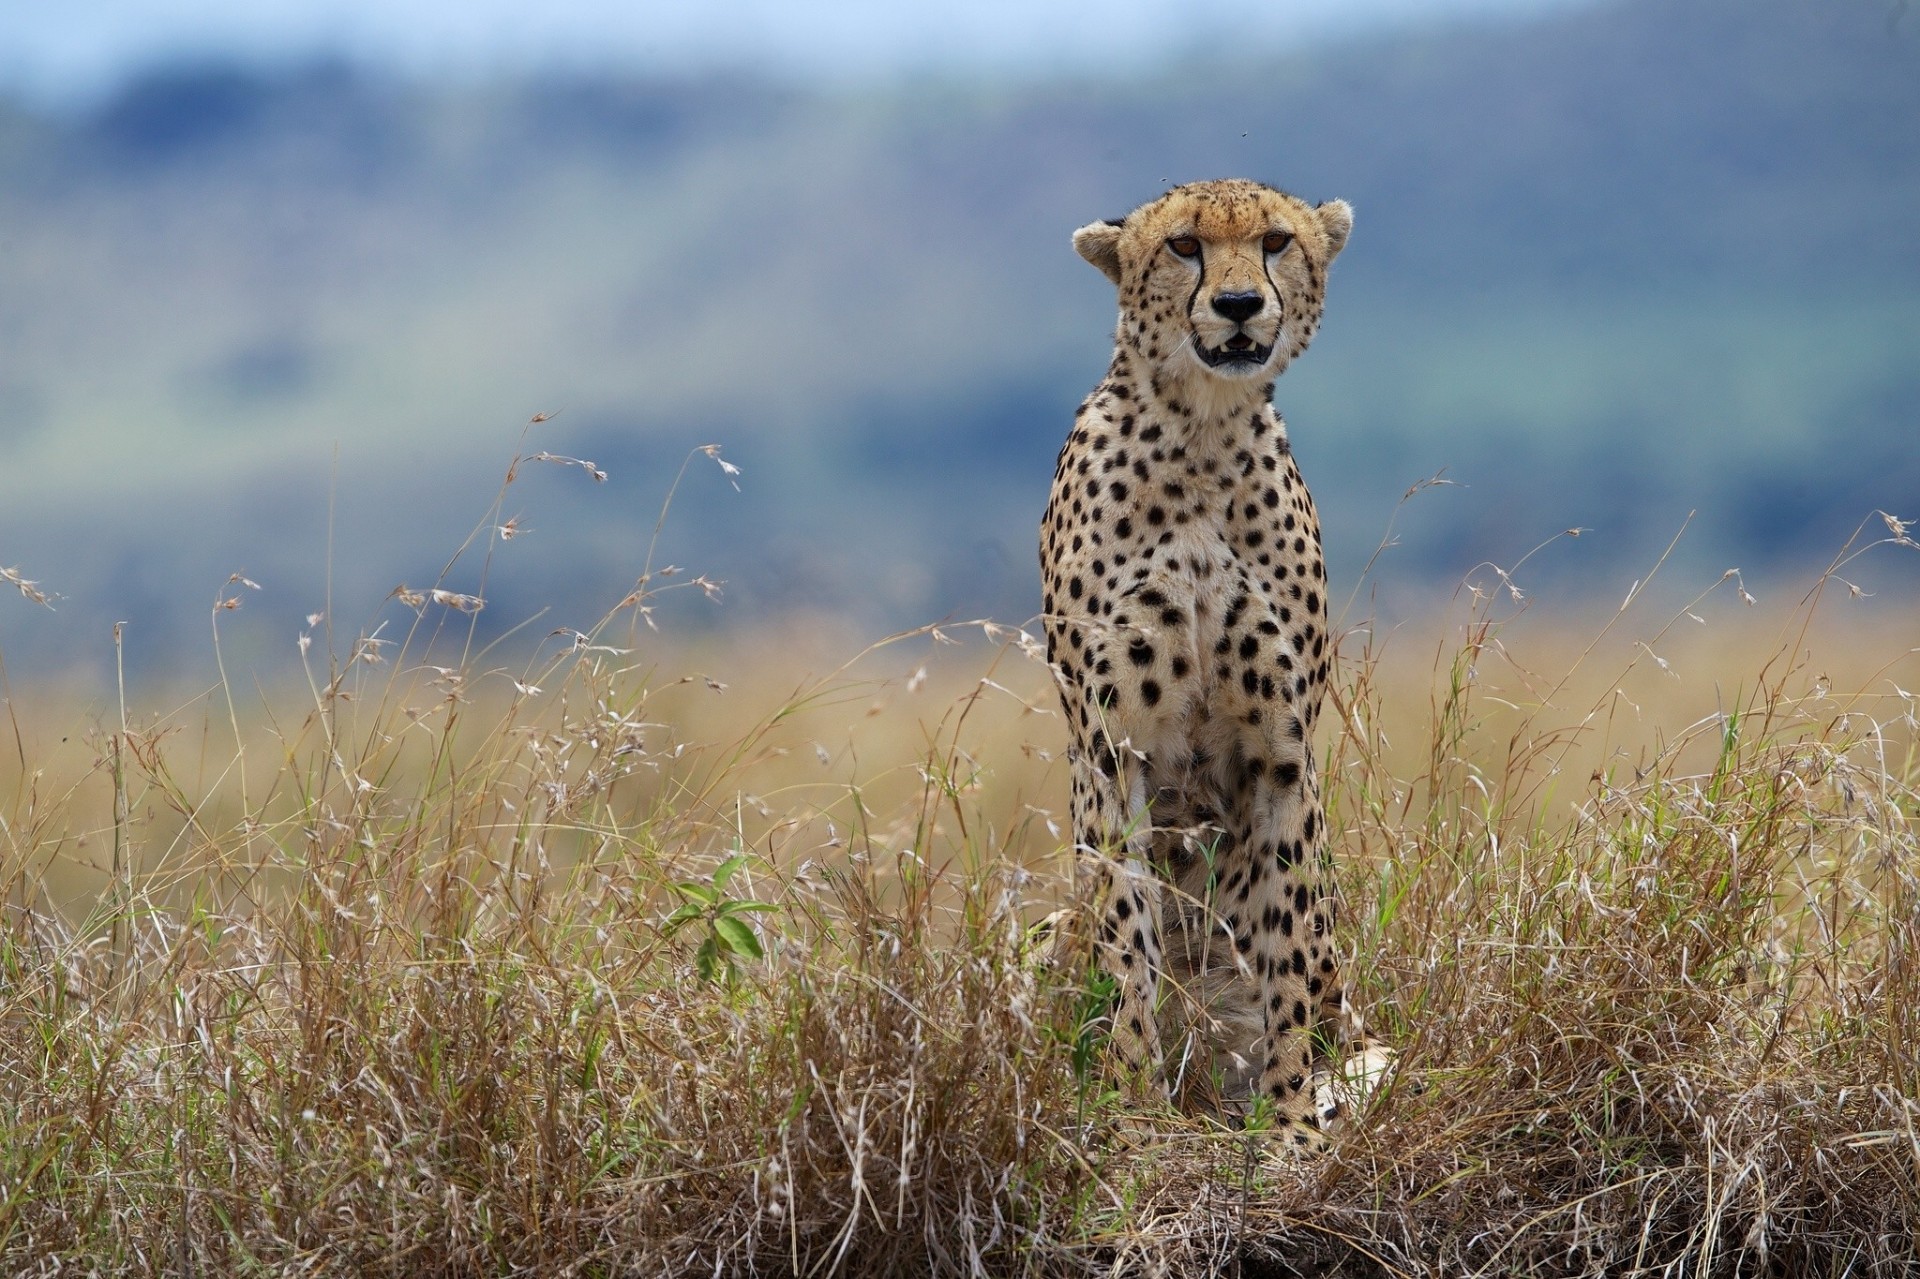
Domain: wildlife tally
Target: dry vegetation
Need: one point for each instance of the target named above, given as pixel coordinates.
(597, 967)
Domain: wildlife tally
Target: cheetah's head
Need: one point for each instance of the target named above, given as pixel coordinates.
(1220, 282)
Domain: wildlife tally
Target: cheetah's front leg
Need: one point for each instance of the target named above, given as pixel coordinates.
(1110, 824)
(1286, 920)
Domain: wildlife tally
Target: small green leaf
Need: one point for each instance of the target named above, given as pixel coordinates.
(692, 910)
(698, 892)
(724, 871)
(738, 937)
(742, 906)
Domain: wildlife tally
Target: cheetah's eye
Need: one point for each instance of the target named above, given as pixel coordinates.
(1185, 245)
(1276, 242)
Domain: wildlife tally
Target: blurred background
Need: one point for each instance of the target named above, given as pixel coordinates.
(282, 284)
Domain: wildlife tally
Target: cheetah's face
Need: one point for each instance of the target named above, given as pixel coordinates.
(1220, 281)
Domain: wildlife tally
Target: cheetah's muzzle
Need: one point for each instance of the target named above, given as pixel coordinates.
(1237, 352)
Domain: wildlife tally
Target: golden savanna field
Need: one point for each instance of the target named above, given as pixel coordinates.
(653, 954)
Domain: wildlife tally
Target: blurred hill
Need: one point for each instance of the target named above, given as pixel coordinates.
(1611, 266)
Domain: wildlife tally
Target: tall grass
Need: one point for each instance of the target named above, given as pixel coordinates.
(601, 966)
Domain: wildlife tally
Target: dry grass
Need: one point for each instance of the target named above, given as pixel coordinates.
(589, 969)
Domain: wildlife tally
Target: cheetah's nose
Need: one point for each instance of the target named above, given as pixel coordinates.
(1238, 307)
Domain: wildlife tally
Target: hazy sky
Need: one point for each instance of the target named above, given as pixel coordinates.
(73, 49)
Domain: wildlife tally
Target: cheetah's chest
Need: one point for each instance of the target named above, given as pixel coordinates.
(1246, 532)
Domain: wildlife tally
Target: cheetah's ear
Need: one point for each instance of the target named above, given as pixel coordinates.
(1336, 219)
(1099, 243)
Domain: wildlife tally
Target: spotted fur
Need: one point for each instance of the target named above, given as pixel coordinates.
(1186, 609)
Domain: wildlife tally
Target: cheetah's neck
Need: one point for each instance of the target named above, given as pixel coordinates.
(1198, 403)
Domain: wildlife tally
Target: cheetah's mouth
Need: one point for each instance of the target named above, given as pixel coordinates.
(1238, 351)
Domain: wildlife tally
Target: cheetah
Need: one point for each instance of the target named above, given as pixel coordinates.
(1186, 625)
